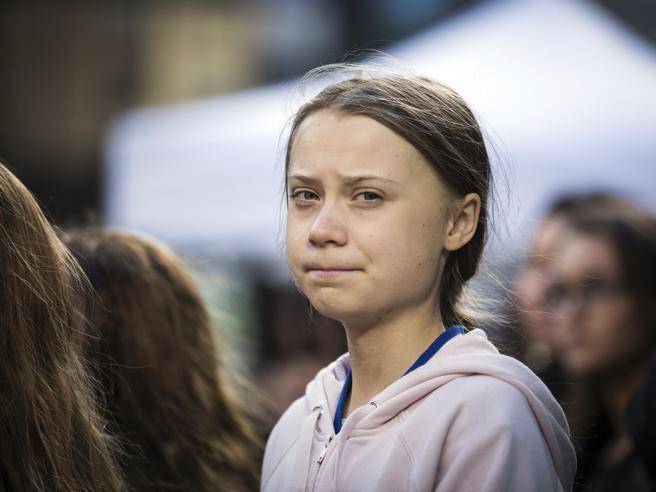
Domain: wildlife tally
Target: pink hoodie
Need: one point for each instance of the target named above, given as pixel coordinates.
(470, 419)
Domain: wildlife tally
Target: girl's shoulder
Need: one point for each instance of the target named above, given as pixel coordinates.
(283, 437)
(320, 398)
(469, 395)
(485, 420)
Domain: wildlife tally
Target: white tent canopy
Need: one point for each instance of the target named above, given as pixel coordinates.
(567, 96)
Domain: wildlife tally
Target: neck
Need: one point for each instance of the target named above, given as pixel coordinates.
(382, 353)
(616, 396)
(619, 391)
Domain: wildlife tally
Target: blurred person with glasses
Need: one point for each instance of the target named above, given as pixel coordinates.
(601, 296)
(539, 341)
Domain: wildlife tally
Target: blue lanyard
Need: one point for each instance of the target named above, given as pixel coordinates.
(432, 349)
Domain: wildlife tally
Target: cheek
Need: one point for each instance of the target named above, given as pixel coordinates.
(613, 323)
(614, 336)
(295, 238)
(405, 250)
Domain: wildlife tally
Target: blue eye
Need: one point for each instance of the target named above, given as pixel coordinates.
(302, 196)
(368, 196)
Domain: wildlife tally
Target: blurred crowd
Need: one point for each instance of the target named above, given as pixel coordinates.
(584, 302)
(107, 354)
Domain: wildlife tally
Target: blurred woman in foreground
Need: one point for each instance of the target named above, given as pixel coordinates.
(51, 437)
(603, 300)
(158, 365)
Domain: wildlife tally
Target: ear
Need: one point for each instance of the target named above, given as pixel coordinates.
(463, 222)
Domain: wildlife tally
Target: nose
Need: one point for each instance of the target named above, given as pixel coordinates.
(574, 308)
(328, 227)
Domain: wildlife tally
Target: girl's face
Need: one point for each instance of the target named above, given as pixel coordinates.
(367, 220)
(596, 316)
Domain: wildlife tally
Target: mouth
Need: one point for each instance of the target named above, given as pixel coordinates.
(574, 343)
(329, 272)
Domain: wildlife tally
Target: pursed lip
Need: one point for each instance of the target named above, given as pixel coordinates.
(328, 271)
(315, 267)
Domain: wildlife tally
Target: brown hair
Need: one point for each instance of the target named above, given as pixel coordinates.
(156, 358)
(51, 437)
(573, 204)
(440, 125)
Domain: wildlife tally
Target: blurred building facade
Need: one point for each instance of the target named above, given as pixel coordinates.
(68, 67)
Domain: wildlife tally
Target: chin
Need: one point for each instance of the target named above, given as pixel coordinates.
(354, 317)
(337, 306)
(338, 312)
(582, 367)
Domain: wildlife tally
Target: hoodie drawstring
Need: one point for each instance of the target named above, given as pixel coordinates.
(304, 449)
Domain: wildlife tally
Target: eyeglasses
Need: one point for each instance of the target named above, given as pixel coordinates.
(559, 295)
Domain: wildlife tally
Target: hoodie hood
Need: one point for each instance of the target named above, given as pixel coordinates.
(464, 355)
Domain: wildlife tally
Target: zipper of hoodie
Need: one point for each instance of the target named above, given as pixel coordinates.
(327, 447)
(322, 456)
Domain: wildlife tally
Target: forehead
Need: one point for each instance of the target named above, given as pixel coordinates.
(585, 255)
(547, 237)
(331, 140)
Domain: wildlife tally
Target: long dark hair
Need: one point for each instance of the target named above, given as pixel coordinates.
(51, 437)
(158, 365)
(440, 125)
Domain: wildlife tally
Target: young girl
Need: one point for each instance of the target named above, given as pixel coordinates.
(51, 437)
(388, 179)
(154, 355)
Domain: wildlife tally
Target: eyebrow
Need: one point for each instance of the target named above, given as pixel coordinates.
(348, 180)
